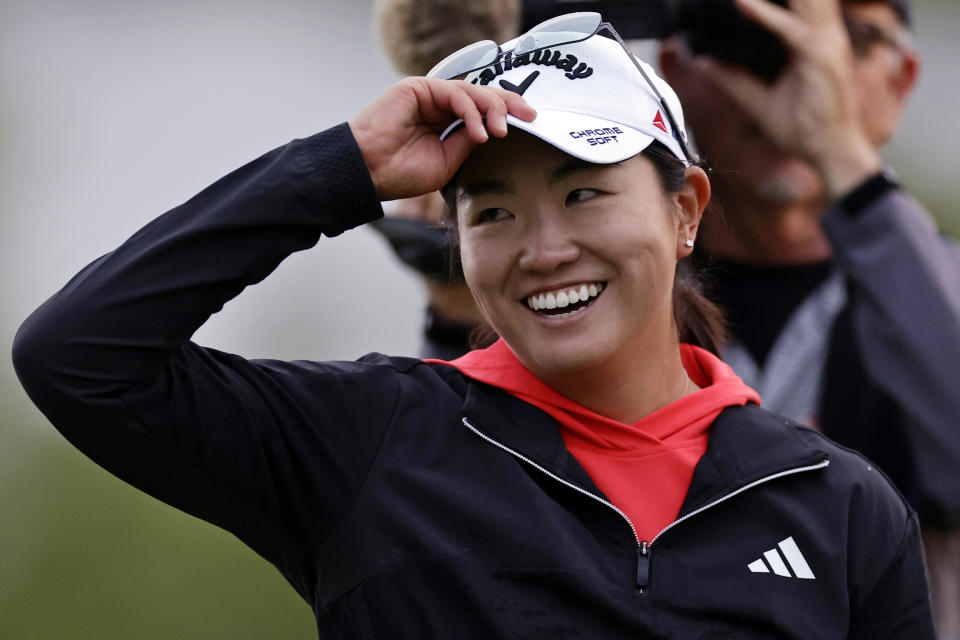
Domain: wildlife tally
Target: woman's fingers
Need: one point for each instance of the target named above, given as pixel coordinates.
(517, 106)
(484, 112)
(494, 110)
(483, 109)
(496, 103)
(465, 107)
(399, 134)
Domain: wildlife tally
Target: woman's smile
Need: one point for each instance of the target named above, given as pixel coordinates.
(565, 302)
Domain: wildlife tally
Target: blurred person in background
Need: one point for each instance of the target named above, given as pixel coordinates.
(598, 472)
(415, 35)
(843, 300)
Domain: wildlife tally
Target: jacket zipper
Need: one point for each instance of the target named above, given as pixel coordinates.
(643, 547)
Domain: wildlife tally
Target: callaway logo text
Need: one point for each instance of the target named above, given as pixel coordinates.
(569, 63)
(597, 136)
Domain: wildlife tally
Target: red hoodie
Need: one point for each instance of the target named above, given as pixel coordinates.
(644, 468)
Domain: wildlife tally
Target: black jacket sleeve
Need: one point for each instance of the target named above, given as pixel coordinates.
(272, 451)
(905, 300)
(892, 600)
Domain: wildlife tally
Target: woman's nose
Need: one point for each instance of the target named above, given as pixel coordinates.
(547, 245)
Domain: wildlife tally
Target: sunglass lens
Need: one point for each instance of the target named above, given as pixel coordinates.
(562, 29)
(478, 54)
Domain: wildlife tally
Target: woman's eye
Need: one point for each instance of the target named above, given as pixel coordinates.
(579, 195)
(491, 215)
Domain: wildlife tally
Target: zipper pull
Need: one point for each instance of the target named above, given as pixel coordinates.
(643, 566)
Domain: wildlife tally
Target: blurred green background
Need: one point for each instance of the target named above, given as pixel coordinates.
(112, 112)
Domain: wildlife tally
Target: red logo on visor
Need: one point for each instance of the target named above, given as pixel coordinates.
(659, 123)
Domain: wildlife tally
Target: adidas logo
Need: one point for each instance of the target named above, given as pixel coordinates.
(774, 561)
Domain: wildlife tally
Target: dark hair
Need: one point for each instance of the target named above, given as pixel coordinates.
(699, 321)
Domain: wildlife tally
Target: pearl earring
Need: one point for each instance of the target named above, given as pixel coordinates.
(688, 242)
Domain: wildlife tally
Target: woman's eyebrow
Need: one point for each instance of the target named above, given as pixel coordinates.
(574, 166)
(496, 186)
(485, 187)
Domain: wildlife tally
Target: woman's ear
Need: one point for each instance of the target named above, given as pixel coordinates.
(691, 200)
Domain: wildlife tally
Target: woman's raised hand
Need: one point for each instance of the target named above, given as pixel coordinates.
(399, 133)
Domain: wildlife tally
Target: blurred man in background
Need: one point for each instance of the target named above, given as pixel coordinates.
(854, 280)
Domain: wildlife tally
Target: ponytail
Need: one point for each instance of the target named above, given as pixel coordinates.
(699, 321)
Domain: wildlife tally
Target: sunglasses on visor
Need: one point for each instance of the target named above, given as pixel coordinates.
(565, 29)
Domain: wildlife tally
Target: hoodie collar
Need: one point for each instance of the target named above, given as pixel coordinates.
(747, 444)
(524, 429)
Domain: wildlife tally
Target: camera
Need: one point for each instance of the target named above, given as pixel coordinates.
(713, 27)
(423, 247)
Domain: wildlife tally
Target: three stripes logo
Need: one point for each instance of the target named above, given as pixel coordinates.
(775, 562)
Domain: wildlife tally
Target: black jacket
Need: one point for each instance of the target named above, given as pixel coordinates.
(890, 381)
(403, 500)
(891, 342)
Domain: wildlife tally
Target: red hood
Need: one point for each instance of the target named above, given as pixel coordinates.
(719, 387)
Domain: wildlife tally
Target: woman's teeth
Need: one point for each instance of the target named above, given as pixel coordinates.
(565, 297)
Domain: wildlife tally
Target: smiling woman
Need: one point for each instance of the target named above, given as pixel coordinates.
(535, 222)
(587, 475)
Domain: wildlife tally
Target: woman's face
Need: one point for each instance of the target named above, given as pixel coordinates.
(541, 230)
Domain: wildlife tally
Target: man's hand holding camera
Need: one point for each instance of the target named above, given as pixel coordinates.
(811, 108)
